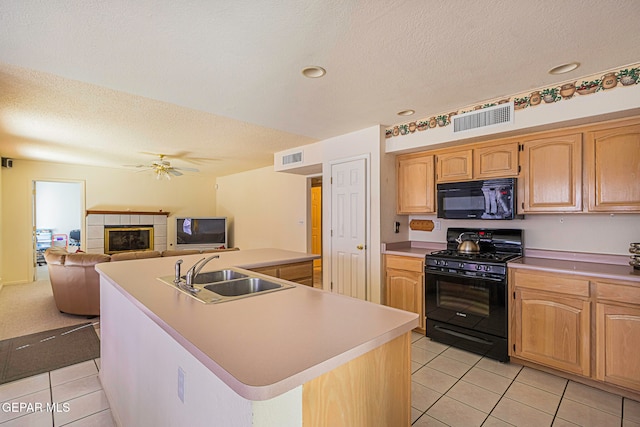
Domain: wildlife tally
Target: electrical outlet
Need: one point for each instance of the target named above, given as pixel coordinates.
(437, 225)
(181, 375)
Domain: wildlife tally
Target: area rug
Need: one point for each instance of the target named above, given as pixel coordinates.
(34, 354)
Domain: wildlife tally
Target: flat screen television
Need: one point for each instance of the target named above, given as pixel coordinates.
(201, 233)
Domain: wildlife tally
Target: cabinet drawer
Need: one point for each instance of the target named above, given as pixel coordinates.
(306, 282)
(576, 286)
(269, 271)
(302, 270)
(405, 263)
(618, 291)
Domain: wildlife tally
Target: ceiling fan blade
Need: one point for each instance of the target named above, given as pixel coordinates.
(199, 160)
(174, 172)
(187, 169)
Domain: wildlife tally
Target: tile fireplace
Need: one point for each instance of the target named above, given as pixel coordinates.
(98, 221)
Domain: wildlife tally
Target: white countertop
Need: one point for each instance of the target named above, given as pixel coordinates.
(414, 249)
(264, 345)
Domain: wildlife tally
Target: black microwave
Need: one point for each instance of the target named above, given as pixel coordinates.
(487, 199)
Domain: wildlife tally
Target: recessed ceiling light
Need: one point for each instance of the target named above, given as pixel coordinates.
(406, 112)
(313, 72)
(564, 68)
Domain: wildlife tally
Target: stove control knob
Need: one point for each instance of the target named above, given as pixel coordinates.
(478, 267)
(461, 265)
(487, 268)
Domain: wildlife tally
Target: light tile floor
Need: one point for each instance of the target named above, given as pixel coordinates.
(450, 387)
(70, 396)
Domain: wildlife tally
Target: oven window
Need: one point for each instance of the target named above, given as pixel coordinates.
(467, 299)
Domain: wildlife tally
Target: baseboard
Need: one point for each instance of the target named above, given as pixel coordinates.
(19, 282)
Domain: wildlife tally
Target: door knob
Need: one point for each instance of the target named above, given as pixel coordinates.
(360, 247)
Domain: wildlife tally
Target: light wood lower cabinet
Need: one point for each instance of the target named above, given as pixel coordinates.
(551, 320)
(405, 285)
(577, 324)
(373, 390)
(618, 333)
(299, 272)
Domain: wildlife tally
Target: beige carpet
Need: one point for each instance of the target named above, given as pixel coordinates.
(30, 308)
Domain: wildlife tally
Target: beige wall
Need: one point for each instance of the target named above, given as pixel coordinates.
(105, 188)
(267, 209)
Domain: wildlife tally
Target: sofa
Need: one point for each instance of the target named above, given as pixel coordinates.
(76, 283)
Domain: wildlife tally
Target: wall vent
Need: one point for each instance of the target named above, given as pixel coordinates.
(292, 158)
(490, 116)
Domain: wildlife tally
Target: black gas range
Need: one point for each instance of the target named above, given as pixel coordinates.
(466, 293)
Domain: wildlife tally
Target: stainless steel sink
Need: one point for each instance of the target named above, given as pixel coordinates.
(217, 276)
(249, 285)
(226, 285)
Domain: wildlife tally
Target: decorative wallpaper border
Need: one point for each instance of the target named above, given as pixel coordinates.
(563, 91)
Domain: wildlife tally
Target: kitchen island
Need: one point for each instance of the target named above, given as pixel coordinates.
(298, 356)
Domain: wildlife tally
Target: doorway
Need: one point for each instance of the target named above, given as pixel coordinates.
(315, 208)
(58, 209)
(349, 216)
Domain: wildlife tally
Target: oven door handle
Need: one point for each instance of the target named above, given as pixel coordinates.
(444, 273)
(464, 336)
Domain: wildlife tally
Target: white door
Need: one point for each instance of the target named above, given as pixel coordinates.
(348, 225)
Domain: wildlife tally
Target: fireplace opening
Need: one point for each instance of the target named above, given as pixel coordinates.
(127, 239)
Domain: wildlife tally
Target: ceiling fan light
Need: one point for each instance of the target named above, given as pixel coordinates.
(162, 173)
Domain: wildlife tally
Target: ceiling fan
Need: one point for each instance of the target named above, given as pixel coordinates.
(163, 169)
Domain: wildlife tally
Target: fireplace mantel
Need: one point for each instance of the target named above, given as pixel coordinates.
(97, 212)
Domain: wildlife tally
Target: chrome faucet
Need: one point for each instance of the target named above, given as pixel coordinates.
(193, 271)
(177, 267)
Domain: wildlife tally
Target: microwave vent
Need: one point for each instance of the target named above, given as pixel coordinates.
(490, 116)
(292, 158)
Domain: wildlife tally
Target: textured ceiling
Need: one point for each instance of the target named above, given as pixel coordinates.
(102, 82)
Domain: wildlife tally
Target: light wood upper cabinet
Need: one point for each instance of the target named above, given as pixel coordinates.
(496, 161)
(416, 186)
(453, 166)
(405, 285)
(552, 174)
(612, 161)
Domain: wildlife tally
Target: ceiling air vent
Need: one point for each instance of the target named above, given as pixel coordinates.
(489, 116)
(292, 158)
